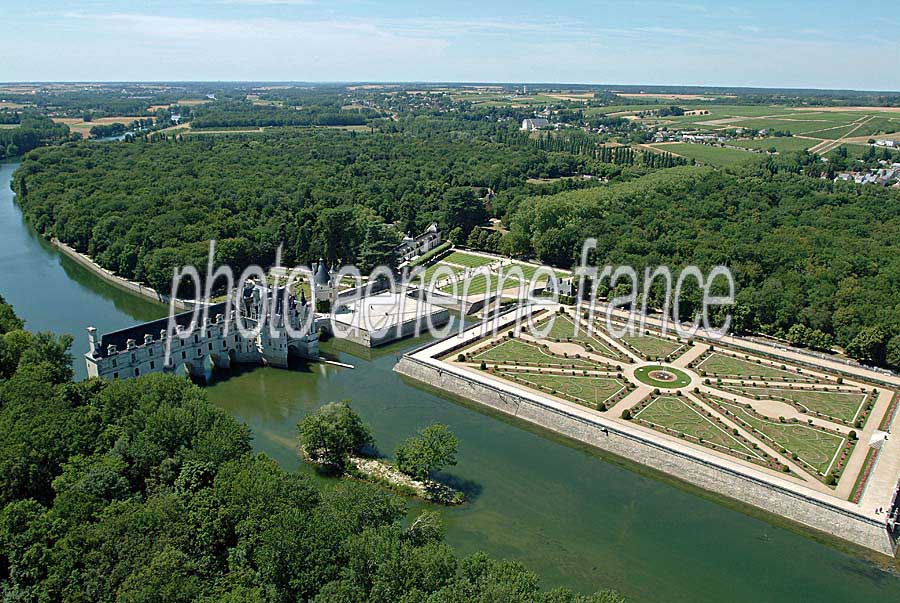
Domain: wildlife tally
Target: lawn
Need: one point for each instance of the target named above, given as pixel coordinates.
(670, 412)
(840, 405)
(513, 351)
(715, 156)
(728, 366)
(477, 285)
(467, 259)
(528, 270)
(652, 346)
(429, 272)
(590, 391)
(816, 448)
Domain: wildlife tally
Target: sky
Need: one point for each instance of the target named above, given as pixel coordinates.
(785, 43)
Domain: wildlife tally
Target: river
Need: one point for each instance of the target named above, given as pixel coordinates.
(573, 517)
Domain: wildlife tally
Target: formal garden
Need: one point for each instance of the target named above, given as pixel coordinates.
(821, 451)
(800, 421)
(683, 418)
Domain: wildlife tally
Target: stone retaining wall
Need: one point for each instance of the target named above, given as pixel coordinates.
(808, 511)
(118, 281)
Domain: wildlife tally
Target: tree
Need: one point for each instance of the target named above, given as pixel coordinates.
(378, 246)
(869, 345)
(892, 353)
(432, 449)
(462, 209)
(332, 433)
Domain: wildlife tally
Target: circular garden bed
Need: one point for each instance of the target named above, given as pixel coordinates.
(663, 377)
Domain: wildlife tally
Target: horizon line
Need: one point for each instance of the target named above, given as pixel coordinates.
(454, 82)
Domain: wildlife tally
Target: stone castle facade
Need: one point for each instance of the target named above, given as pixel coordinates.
(216, 344)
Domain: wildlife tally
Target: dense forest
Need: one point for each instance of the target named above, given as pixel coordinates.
(142, 491)
(246, 114)
(140, 208)
(33, 131)
(804, 251)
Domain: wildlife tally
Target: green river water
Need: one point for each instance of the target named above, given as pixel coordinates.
(565, 512)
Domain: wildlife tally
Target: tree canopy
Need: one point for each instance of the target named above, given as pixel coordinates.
(432, 449)
(141, 491)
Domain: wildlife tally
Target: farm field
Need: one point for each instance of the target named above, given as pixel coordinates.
(782, 144)
(715, 156)
(76, 124)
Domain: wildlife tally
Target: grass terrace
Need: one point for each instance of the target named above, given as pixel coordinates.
(722, 365)
(681, 416)
(516, 351)
(468, 260)
(651, 346)
(842, 405)
(563, 329)
(814, 447)
(590, 391)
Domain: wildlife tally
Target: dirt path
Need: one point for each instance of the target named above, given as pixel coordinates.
(829, 145)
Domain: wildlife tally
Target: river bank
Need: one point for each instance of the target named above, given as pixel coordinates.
(123, 283)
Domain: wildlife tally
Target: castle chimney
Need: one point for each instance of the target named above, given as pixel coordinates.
(92, 340)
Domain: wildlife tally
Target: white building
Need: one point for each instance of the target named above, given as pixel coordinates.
(534, 123)
(412, 247)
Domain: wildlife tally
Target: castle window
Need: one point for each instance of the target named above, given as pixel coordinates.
(210, 346)
(152, 365)
(137, 372)
(196, 339)
(115, 375)
(224, 345)
(199, 352)
(183, 355)
(115, 363)
(133, 356)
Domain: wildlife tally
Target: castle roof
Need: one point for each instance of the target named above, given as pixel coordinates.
(137, 332)
(322, 277)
